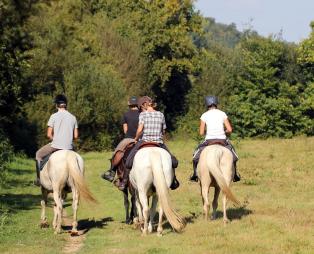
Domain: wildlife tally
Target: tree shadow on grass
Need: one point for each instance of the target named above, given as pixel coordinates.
(16, 202)
(17, 171)
(87, 224)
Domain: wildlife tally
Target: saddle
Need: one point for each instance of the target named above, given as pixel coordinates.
(149, 144)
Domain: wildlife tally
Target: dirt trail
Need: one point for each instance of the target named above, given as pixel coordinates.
(73, 243)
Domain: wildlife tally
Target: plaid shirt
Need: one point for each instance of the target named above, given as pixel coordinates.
(154, 124)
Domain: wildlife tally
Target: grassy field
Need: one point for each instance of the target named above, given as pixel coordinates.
(277, 189)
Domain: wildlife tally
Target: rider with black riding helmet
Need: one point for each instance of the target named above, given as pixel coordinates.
(217, 125)
(62, 128)
(151, 128)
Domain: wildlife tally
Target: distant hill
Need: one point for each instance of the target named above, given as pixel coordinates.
(218, 33)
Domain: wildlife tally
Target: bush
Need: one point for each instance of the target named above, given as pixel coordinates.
(6, 155)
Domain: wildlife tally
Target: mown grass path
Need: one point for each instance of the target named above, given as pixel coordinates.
(277, 189)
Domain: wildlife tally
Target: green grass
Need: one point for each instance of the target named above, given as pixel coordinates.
(277, 188)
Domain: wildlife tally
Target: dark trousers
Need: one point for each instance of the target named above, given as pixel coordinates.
(130, 159)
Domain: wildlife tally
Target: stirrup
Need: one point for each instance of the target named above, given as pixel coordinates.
(175, 184)
(108, 175)
(37, 182)
(194, 178)
(236, 178)
(123, 185)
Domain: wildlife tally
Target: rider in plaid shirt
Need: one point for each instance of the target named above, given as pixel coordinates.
(152, 127)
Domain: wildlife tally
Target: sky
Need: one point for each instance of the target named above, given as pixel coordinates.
(290, 17)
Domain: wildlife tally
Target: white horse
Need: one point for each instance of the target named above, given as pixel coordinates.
(63, 168)
(152, 167)
(215, 168)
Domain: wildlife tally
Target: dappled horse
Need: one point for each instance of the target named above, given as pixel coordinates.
(216, 169)
(119, 160)
(64, 168)
(151, 176)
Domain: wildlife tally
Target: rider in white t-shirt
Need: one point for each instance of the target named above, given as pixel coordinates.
(217, 125)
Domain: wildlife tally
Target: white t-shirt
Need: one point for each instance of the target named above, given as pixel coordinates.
(214, 119)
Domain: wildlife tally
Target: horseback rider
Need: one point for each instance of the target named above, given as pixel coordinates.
(62, 128)
(129, 124)
(151, 128)
(217, 126)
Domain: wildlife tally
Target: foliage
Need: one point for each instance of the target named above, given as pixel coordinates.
(6, 154)
(267, 94)
(81, 55)
(163, 29)
(99, 52)
(14, 64)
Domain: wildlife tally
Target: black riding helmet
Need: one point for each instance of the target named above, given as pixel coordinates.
(61, 99)
(132, 101)
(211, 100)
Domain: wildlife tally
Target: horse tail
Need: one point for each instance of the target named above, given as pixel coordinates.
(175, 220)
(78, 178)
(213, 163)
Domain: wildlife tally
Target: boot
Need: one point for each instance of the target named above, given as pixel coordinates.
(37, 181)
(236, 177)
(124, 183)
(175, 183)
(194, 177)
(109, 175)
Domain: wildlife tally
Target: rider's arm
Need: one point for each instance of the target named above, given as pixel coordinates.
(202, 128)
(228, 126)
(76, 133)
(125, 128)
(50, 133)
(139, 131)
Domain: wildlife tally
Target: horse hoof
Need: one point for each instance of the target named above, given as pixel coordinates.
(129, 222)
(213, 217)
(226, 221)
(44, 225)
(150, 229)
(159, 234)
(74, 233)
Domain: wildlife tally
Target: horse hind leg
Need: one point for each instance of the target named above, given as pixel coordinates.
(133, 213)
(126, 206)
(215, 203)
(205, 190)
(224, 204)
(139, 219)
(75, 196)
(58, 211)
(43, 202)
(152, 213)
(159, 228)
(144, 203)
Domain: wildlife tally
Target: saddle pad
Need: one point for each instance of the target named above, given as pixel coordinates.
(217, 142)
(44, 162)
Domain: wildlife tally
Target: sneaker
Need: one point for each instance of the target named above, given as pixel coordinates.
(236, 178)
(108, 175)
